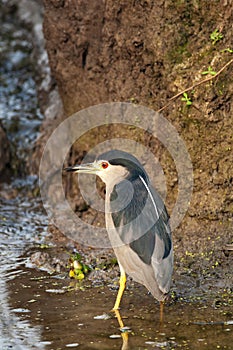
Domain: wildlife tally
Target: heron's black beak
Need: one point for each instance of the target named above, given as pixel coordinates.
(90, 168)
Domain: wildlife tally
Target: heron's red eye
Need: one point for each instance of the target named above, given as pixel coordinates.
(104, 165)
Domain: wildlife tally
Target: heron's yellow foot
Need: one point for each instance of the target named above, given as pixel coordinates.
(124, 333)
(120, 291)
(125, 338)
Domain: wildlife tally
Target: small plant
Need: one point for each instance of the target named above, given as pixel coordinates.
(215, 36)
(209, 71)
(227, 50)
(78, 270)
(186, 99)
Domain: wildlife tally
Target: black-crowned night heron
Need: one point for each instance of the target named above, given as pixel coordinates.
(137, 222)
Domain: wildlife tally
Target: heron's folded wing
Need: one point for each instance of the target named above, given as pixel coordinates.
(141, 219)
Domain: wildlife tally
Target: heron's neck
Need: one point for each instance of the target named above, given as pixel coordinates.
(120, 174)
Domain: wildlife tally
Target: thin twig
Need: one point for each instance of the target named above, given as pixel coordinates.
(195, 85)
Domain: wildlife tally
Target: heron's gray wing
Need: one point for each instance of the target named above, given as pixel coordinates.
(141, 219)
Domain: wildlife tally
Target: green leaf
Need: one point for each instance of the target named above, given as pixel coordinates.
(215, 36)
(227, 50)
(186, 99)
(209, 71)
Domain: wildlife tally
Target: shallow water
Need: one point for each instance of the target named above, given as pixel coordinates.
(22, 225)
(66, 316)
(22, 221)
(19, 109)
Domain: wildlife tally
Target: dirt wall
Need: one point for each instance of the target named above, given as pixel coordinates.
(146, 52)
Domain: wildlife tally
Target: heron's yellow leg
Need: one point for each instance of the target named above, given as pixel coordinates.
(119, 319)
(121, 289)
(124, 335)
